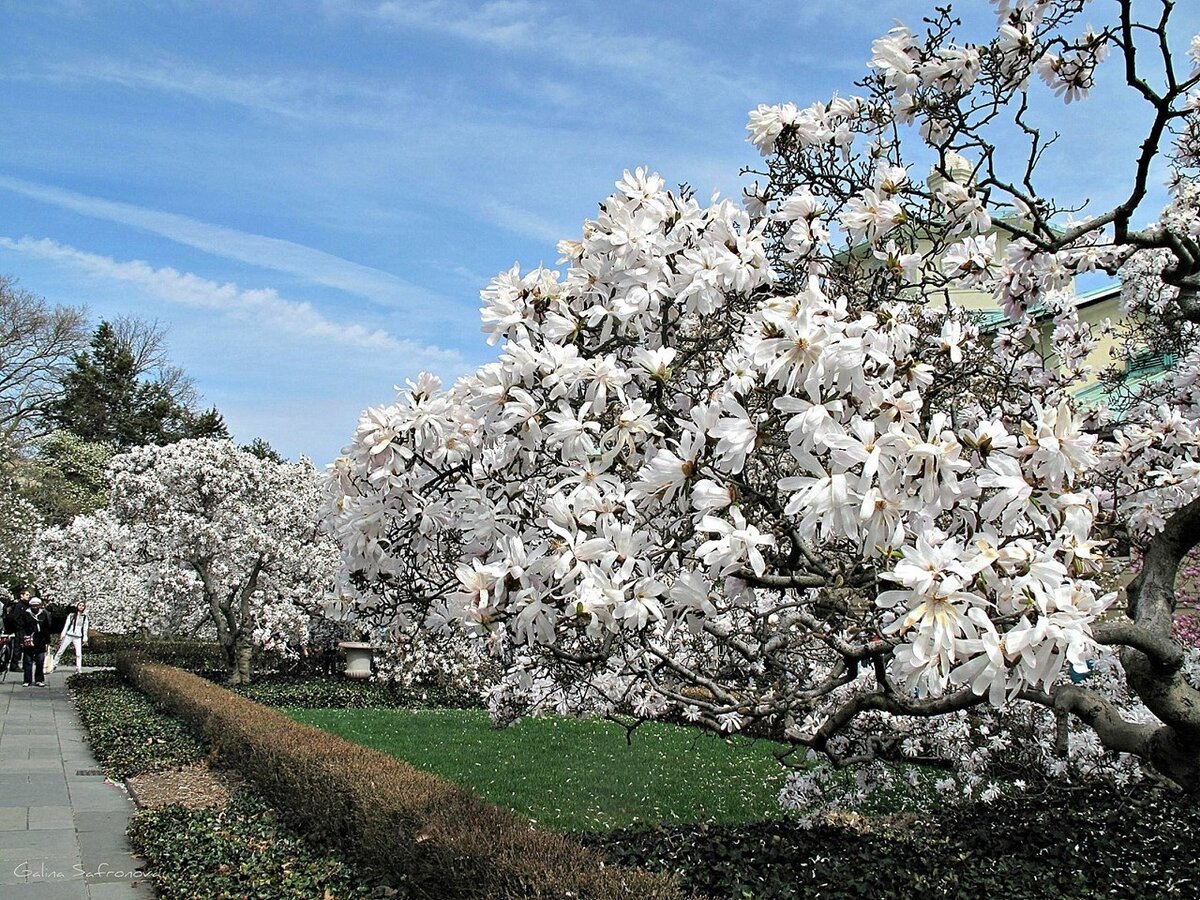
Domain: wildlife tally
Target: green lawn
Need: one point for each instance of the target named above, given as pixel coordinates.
(576, 775)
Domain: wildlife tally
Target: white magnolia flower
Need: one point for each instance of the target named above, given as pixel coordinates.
(737, 544)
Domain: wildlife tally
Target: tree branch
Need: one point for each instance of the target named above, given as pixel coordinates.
(1163, 652)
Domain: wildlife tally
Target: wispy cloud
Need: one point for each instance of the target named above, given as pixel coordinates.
(522, 221)
(276, 254)
(306, 97)
(263, 306)
(539, 31)
(336, 100)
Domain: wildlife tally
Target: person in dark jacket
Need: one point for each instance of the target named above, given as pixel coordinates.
(14, 614)
(35, 638)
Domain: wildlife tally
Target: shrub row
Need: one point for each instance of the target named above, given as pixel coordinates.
(128, 735)
(334, 692)
(186, 654)
(322, 692)
(407, 825)
(240, 851)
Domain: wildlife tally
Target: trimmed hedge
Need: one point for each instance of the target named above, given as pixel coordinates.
(337, 692)
(237, 852)
(322, 692)
(407, 825)
(102, 649)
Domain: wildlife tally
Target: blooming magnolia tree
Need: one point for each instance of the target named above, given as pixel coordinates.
(19, 525)
(752, 465)
(93, 560)
(200, 536)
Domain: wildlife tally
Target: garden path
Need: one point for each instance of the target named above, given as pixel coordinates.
(62, 823)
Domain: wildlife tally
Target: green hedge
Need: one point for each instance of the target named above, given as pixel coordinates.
(407, 825)
(338, 692)
(236, 852)
(322, 692)
(102, 650)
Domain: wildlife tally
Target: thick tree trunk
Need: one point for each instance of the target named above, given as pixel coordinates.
(232, 614)
(227, 655)
(239, 668)
(1153, 659)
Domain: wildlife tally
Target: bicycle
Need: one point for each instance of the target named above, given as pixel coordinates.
(8, 644)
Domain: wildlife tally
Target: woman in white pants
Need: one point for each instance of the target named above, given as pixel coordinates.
(75, 631)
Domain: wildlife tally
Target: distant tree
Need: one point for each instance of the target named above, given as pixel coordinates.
(102, 400)
(201, 535)
(261, 448)
(20, 524)
(207, 424)
(91, 560)
(37, 343)
(67, 476)
(121, 392)
(146, 342)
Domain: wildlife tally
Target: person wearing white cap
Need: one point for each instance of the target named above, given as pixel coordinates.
(35, 629)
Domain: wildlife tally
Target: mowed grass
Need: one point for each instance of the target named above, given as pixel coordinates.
(573, 774)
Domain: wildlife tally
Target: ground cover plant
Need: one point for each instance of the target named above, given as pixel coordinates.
(577, 774)
(128, 734)
(242, 850)
(1059, 844)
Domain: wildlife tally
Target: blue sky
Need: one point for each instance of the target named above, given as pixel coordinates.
(310, 195)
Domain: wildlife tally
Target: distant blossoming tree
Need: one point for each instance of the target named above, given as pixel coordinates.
(750, 464)
(201, 536)
(20, 523)
(92, 560)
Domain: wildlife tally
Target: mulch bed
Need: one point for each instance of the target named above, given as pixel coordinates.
(195, 787)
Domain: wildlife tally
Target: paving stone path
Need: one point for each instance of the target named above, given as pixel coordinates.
(62, 823)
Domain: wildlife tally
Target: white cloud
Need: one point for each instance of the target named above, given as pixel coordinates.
(523, 222)
(540, 30)
(261, 306)
(303, 96)
(313, 265)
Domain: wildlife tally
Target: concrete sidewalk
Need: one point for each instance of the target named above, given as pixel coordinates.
(62, 823)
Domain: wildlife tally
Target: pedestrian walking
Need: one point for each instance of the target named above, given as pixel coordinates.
(13, 614)
(74, 632)
(35, 638)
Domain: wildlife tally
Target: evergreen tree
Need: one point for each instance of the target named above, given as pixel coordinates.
(262, 448)
(107, 400)
(67, 477)
(209, 424)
